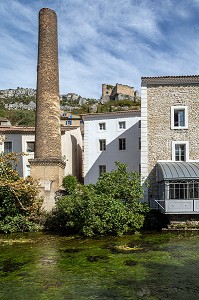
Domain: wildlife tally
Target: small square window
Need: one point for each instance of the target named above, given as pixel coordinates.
(7, 147)
(102, 144)
(68, 122)
(122, 144)
(179, 117)
(180, 151)
(102, 169)
(30, 147)
(102, 126)
(122, 125)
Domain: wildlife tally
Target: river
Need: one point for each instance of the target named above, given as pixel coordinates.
(149, 265)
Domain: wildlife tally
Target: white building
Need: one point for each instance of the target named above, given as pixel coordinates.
(22, 140)
(110, 137)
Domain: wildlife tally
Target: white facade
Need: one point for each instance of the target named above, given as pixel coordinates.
(110, 137)
(21, 140)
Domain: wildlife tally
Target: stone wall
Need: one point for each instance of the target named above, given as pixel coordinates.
(110, 90)
(123, 89)
(160, 98)
(117, 92)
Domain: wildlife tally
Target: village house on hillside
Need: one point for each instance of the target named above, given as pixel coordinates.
(170, 142)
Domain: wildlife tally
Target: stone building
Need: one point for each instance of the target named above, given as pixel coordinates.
(118, 92)
(170, 142)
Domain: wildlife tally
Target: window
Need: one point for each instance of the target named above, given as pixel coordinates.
(102, 144)
(139, 124)
(7, 147)
(102, 126)
(68, 122)
(30, 147)
(180, 151)
(122, 125)
(122, 144)
(179, 117)
(102, 169)
(27, 170)
(184, 190)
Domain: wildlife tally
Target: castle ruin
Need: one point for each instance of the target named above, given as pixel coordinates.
(118, 92)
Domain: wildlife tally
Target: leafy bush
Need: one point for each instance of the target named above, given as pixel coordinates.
(69, 183)
(111, 206)
(20, 205)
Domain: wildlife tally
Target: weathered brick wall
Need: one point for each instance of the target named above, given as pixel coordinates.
(160, 135)
(47, 165)
(48, 136)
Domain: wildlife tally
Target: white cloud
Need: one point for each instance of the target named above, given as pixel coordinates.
(101, 41)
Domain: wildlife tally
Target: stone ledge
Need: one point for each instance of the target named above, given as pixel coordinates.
(47, 162)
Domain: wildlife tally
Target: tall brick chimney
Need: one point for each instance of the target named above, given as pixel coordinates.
(47, 165)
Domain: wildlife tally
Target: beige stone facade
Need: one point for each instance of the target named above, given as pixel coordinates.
(112, 91)
(49, 174)
(159, 96)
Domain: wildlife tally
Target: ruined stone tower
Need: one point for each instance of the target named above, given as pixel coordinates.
(47, 165)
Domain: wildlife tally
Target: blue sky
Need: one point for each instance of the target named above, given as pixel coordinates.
(101, 41)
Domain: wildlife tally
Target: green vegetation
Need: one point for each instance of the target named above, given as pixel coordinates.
(20, 205)
(149, 266)
(21, 117)
(18, 117)
(69, 183)
(112, 206)
(23, 99)
(110, 106)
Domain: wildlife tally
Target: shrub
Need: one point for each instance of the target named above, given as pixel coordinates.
(69, 183)
(20, 205)
(111, 206)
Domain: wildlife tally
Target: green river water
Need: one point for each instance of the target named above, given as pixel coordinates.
(147, 266)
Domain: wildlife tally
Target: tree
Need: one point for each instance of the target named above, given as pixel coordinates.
(112, 206)
(121, 185)
(69, 183)
(20, 204)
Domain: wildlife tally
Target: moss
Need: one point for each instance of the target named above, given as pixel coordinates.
(60, 267)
